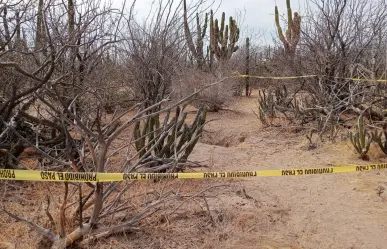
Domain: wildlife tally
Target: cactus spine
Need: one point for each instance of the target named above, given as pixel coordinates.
(197, 52)
(292, 36)
(223, 40)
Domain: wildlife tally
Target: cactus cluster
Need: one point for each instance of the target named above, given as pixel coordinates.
(361, 139)
(197, 51)
(280, 103)
(276, 100)
(266, 104)
(12, 39)
(292, 35)
(223, 39)
(156, 140)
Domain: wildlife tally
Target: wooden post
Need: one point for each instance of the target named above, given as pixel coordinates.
(247, 82)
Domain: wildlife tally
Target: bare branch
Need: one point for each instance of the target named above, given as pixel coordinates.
(41, 230)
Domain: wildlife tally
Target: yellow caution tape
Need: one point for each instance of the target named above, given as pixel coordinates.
(276, 78)
(358, 79)
(31, 175)
(302, 76)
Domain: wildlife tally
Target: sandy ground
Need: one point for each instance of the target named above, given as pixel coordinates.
(320, 211)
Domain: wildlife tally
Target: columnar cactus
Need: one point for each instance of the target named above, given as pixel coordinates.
(40, 27)
(223, 40)
(20, 43)
(71, 17)
(361, 139)
(209, 57)
(293, 32)
(381, 138)
(161, 139)
(197, 51)
(7, 35)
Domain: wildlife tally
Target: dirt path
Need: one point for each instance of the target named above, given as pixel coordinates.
(323, 211)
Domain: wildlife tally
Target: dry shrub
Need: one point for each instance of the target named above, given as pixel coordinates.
(26, 198)
(214, 98)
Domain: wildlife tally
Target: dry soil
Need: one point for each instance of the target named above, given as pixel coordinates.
(346, 210)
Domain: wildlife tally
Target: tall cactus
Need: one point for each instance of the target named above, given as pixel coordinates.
(197, 51)
(20, 43)
(40, 27)
(71, 17)
(209, 57)
(7, 34)
(223, 40)
(292, 36)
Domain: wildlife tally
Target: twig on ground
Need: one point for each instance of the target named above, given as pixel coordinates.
(41, 230)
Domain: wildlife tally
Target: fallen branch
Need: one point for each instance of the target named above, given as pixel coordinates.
(47, 211)
(41, 230)
(62, 210)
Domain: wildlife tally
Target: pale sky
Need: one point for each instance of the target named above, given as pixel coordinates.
(258, 15)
